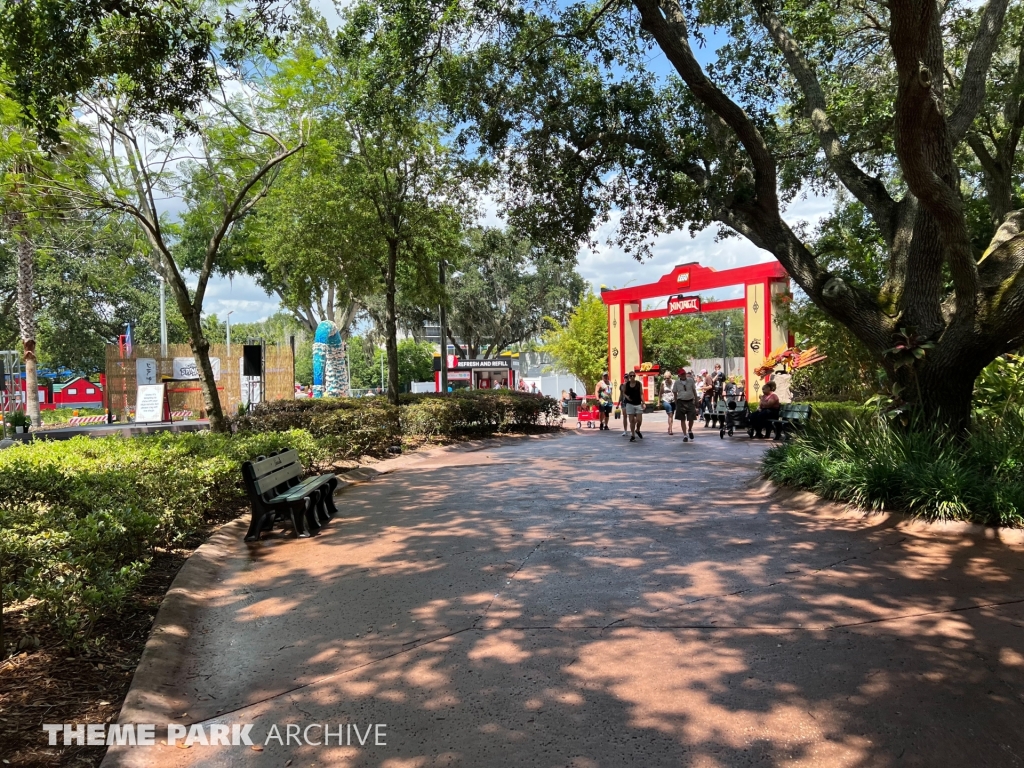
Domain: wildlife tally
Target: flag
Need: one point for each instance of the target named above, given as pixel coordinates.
(128, 340)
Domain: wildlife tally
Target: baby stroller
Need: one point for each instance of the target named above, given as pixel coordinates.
(737, 415)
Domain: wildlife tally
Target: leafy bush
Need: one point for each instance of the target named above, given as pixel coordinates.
(476, 412)
(369, 426)
(874, 464)
(79, 518)
(347, 427)
(63, 415)
(1000, 386)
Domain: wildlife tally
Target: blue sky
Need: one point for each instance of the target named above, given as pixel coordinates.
(604, 265)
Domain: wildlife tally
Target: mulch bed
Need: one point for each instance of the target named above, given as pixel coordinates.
(50, 684)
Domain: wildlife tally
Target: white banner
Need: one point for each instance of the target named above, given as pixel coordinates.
(145, 370)
(186, 369)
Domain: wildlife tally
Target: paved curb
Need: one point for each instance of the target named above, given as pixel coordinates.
(807, 501)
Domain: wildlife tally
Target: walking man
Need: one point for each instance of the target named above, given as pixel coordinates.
(633, 392)
(604, 399)
(686, 403)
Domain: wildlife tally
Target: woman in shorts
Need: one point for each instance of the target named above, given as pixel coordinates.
(668, 398)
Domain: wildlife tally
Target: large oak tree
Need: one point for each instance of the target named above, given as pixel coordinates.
(911, 108)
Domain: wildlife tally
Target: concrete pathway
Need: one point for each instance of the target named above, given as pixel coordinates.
(578, 600)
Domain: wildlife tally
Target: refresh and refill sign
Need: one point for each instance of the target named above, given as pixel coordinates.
(458, 364)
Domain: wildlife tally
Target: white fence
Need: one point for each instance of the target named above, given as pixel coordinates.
(733, 365)
(553, 384)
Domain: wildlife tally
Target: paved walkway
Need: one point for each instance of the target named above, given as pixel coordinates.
(581, 601)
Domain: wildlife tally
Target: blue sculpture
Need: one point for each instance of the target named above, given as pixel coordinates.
(330, 372)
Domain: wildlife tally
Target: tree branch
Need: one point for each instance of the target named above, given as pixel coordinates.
(922, 139)
(972, 87)
(238, 207)
(665, 21)
(867, 189)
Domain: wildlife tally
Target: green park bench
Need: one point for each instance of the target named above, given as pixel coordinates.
(792, 416)
(717, 416)
(274, 488)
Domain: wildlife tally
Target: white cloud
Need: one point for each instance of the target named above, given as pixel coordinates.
(610, 266)
(240, 294)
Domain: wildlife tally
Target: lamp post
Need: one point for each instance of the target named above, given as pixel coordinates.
(163, 318)
(228, 317)
(444, 331)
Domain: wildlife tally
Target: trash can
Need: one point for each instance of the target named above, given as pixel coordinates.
(572, 409)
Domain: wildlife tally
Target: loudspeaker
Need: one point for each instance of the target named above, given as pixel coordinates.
(252, 360)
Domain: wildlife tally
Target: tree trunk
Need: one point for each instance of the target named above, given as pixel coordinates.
(946, 399)
(27, 316)
(201, 350)
(391, 321)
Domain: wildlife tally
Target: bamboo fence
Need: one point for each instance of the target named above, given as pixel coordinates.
(122, 380)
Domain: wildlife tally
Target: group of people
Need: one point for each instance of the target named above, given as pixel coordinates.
(681, 398)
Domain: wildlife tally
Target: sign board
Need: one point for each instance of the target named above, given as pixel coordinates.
(149, 403)
(459, 375)
(145, 370)
(186, 369)
(683, 305)
(494, 362)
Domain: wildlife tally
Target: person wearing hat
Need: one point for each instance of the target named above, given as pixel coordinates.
(685, 390)
(604, 399)
(633, 392)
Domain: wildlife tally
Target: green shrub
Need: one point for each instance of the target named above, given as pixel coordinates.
(79, 518)
(468, 412)
(875, 464)
(63, 415)
(350, 433)
(1000, 386)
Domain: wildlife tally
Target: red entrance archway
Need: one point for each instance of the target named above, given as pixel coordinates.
(761, 331)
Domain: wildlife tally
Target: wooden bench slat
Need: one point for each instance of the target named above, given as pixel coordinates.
(302, 489)
(270, 464)
(268, 483)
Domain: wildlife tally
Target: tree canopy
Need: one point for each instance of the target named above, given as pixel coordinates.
(502, 290)
(912, 109)
(580, 346)
(156, 54)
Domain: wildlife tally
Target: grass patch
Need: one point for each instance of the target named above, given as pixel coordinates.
(859, 458)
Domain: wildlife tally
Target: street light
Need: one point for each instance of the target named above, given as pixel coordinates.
(228, 317)
(163, 318)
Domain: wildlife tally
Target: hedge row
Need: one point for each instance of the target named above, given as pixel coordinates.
(79, 518)
(468, 412)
